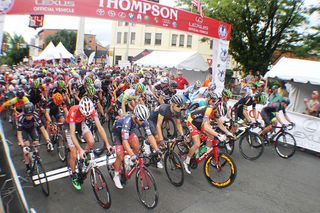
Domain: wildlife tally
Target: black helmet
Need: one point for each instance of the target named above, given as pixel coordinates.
(285, 100)
(20, 93)
(176, 99)
(28, 108)
(173, 84)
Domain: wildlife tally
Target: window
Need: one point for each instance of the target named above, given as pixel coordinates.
(174, 40)
(125, 37)
(211, 44)
(158, 39)
(118, 37)
(189, 41)
(118, 58)
(181, 41)
(120, 23)
(147, 38)
(133, 38)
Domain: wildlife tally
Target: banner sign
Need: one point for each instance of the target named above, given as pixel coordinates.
(136, 11)
(219, 64)
(306, 130)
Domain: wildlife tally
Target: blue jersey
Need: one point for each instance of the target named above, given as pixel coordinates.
(125, 126)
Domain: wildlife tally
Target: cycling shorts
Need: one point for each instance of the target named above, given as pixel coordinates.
(30, 135)
(268, 118)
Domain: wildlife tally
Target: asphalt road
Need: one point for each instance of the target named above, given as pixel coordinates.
(269, 184)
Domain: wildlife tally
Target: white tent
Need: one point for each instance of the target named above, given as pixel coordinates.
(193, 66)
(63, 52)
(49, 53)
(303, 77)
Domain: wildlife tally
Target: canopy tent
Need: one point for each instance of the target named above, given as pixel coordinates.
(63, 52)
(49, 53)
(302, 78)
(193, 66)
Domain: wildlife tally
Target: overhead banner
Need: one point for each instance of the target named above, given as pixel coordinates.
(136, 11)
(219, 63)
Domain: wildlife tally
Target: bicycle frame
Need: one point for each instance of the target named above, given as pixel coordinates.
(214, 149)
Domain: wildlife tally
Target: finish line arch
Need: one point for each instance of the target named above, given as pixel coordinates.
(135, 11)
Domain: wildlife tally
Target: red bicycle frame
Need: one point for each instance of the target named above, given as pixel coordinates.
(139, 165)
(214, 149)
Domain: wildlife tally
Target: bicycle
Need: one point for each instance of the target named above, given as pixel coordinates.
(220, 163)
(36, 167)
(58, 139)
(144, 179)
(284, 142)
(97, 180)
(172, 163)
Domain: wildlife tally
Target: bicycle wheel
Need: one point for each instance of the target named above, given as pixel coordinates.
(145, 183)
(251, 146)
(42, 177)
(174, 168)
(220, 175)
(61, 148)
(169, 129)
(285, 145)
(100, 188)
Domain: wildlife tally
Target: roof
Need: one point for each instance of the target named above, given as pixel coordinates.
(297, 70)
(178, 60)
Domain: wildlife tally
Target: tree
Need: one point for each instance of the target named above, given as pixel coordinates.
(68, 39)
(15, 49)
(258, 27)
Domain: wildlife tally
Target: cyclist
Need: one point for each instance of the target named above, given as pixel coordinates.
(161, 89)
(126, 140)
(240, 109)
(82, 114)
(128, 99)
(199, 121)
(28, 125)
(270, 115)
(56, 109)
(203, 91)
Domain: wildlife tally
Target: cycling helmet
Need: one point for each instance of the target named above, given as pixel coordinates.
(176, 99)
(57, 98)
(226, 93)
(197, 84)
(11, 88)
(48, 79)
(164, 80)
(61, 83)
(60, 77)
(23, 81)
(140, 88)
(36, 84)
(91, 90)
(97, 84)
(87, 81)
(285, 100)
(173, 84)
(28, 108)
(86, 106)
(20, 93)
(214, 98)
(141, 112)
(212, 85)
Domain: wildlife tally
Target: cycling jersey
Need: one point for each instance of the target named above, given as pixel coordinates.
(28, 125)
(16, 102)
(35, 96)
(125, 126)
(199, 102)
(268, 113)
(202, 92)
(55, 111)
(128, 95)
(74, 115)
(164, 110)
(243, 103)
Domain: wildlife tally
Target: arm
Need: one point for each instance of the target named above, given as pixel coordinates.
(102, 132)
(159, 126)
(45, 133)
(123, 105)
(179, 126)
(222, 127)
(20, 140)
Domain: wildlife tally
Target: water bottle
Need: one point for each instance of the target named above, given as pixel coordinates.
(127, 163)
(203, 149)
(147, 149)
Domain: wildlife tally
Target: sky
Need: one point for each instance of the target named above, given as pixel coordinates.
(100, 27)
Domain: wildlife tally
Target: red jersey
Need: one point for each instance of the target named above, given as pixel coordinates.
(74, 115)
(181, 81)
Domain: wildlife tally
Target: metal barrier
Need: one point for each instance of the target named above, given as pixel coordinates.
(12, 194)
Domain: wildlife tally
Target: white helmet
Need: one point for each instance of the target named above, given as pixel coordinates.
(197, 84)
(97, 84)
(11, 88)
(212, 85)
(14, 82)
(23, 81)
(86, 106)
(164, 80)
(141, 112)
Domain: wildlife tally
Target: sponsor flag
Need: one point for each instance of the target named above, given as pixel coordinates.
(198, 4)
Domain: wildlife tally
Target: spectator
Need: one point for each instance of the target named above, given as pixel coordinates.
(207, 81)
(313, 105)
(275, 97)
(244, 89)
(283, 90)
(250, 76)
(181, 81)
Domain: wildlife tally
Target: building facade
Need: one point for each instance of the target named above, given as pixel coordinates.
(143, 37)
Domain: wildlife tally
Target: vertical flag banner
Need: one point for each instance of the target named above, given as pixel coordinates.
(1, 31)
(219, 64)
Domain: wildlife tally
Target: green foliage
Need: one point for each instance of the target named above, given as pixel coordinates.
(259, 27)
(227, 80)
(14, 49)
(68, 39)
